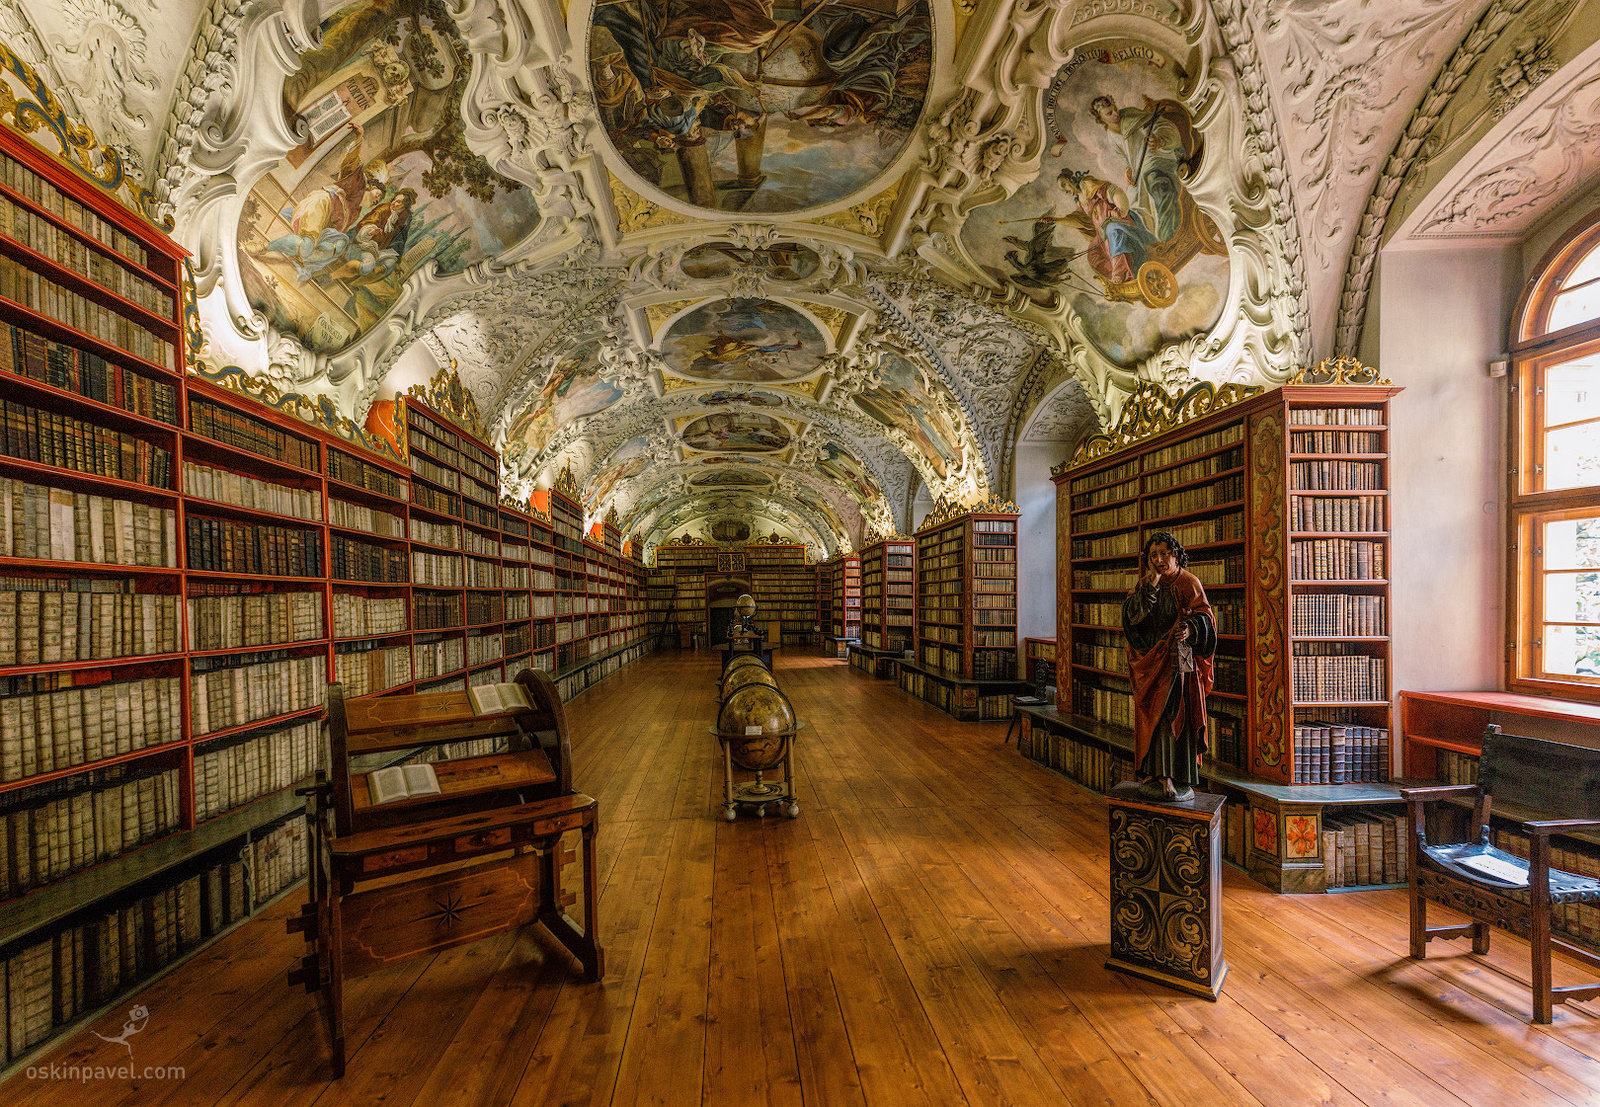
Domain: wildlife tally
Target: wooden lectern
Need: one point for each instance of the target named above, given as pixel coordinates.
(417, 875)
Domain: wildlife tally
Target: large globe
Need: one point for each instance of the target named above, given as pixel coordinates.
(746, 675)
(757, 719)
(740, 661)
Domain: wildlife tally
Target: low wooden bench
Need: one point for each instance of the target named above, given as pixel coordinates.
(1495, 888)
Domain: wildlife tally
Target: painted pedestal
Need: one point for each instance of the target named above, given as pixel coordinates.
(1166, 890)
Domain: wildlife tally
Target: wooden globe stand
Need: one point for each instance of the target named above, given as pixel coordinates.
(759, 793)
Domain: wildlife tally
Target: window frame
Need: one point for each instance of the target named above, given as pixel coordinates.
(1529, 505)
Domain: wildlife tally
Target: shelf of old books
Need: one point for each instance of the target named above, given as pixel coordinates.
(784, 584)
(888, 604)
(966, 612)
(185, 570)
(685, 565)
(1293, 483)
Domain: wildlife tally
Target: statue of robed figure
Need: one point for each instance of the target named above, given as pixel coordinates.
(1172, 639)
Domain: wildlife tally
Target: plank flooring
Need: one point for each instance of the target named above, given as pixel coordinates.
(931, 931)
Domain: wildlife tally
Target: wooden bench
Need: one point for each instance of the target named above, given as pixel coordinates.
(1495, 888)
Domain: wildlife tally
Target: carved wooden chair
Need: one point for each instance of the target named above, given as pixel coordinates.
(1496, 888)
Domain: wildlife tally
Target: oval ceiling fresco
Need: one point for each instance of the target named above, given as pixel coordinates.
(742, 339)
(731, 478)
(1109, 224)
(755, 105)
(900, 400)
(383, 184)
(736, 432)
(573, 389)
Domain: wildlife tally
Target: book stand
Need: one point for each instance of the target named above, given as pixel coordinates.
(389, 882)
(1166, 890)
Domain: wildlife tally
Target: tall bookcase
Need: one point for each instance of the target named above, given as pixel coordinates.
(888, 604)
(784, 584)
(184, 571)
(844, 590)
(1281, 501)
(966, 612)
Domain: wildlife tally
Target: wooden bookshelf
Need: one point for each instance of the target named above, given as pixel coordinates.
(966, 613)
(888, 605)
(784, 584)
(227, 560)
(1039, 660)
(1281, 502)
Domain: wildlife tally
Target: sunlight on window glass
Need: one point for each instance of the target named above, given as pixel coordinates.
(1588, 269)
(1578, 306)
(1572, 544)
(1572, 456)
(1572, 597)
(1572, 390)
(1572, 651)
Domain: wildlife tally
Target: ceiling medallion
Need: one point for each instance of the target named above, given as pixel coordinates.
(449, 397)
(736, 108)
(1340, 370)
(1151, 410)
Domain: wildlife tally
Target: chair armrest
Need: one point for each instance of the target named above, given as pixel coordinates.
(1437, 792)
(1547, 827)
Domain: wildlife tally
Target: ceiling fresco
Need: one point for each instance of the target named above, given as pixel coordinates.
(796, 268)
(745, 106)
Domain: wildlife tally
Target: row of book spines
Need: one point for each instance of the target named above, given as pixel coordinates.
(234, 428)
(1339, 679)
(229, 546)
(91, 376)
(24, 181)
(41, 628)
(1216, 465)
(1332, 514)
(33, 290)
(364, 561)
(1226, 490)
(1363, 848)
(1325, 476)
(377, 669)
(48, 731)
(231, 697)
(1337, 559)
(58, 524)
(207, 482)
(254, 619)
(62, 441)
(49, 983)
(1330, 754)
(1092, 766)
(52, 839)
(70, 252)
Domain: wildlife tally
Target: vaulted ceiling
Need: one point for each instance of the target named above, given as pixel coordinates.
(790, 267)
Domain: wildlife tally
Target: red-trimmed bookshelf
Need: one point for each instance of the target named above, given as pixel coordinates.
(185, 570)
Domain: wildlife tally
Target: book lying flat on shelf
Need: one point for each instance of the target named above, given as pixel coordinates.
(499, 699)
(400, 782)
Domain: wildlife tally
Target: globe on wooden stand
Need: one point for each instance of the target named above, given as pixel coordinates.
(756, 726)
(744, 676)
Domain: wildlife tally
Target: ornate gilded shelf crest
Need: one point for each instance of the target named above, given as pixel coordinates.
(449, 397)
(995, 506)
(567, 484)
(943, 511)
(317, 411)
(1340, 370)
(1152, 410)
(611, 519)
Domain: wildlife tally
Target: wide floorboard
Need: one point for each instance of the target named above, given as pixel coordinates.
(930, 931)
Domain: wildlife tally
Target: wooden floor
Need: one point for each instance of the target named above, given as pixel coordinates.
(930, 931)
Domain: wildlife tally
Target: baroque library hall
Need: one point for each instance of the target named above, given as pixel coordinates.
(771, 553)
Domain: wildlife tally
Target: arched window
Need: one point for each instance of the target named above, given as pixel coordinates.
(1554, 598)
